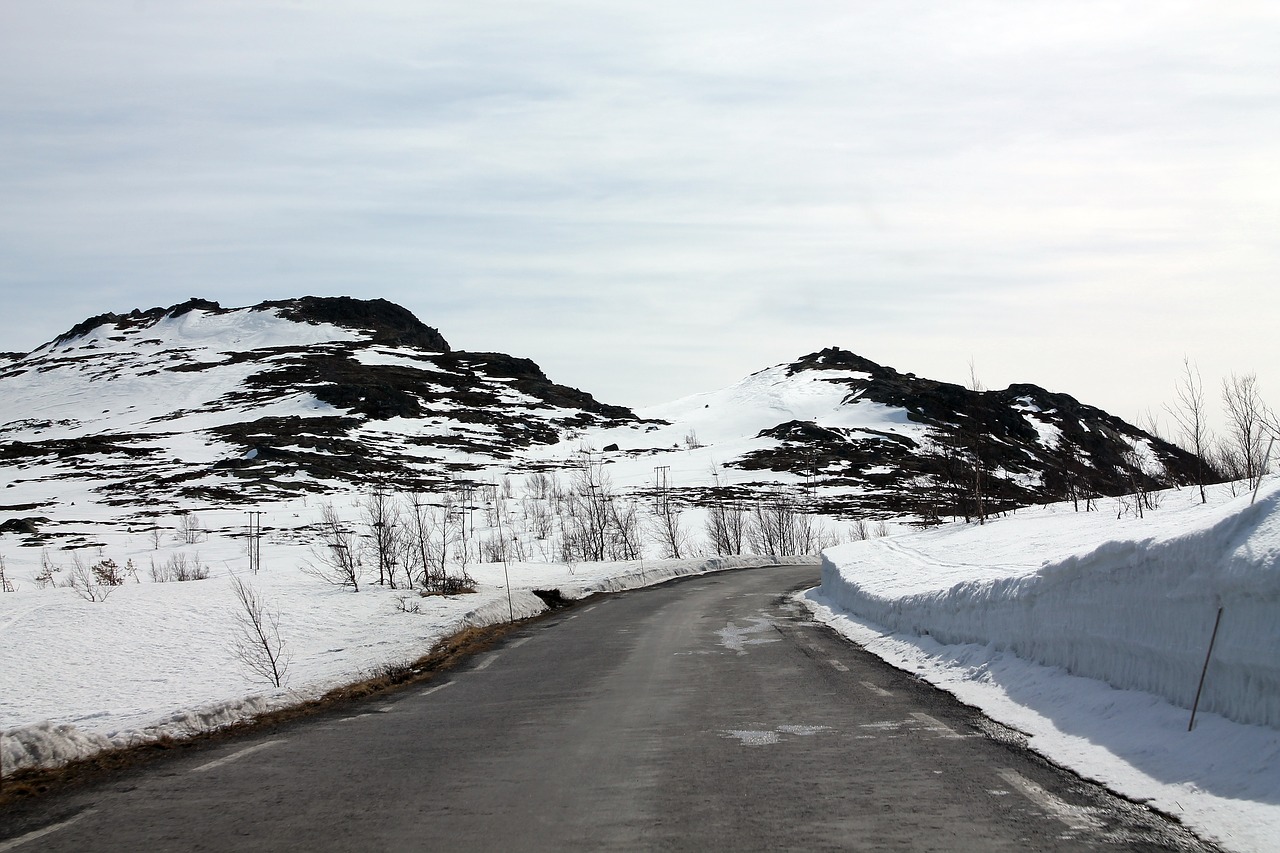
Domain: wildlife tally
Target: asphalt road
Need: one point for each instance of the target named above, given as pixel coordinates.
(708, 714)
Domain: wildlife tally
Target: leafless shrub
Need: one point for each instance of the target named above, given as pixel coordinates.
(539, 486)
(86, 582)
(189, 530)
(493, 549)
(384, 532)
(1247, 418)
(257, 644)
(594, 523)
(189, 569)
(405, 604)
(666, 525)
(45, 578)
(825, 539)
(726, 527)
(435, 535)
(860, 531)
(179, 567)
(6, 585)
(1192, 419)
(779, 526)
(457, 584)
(882, 528)
(335, 558)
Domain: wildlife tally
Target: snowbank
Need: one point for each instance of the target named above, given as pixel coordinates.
(1037, 619)
(1136, 612)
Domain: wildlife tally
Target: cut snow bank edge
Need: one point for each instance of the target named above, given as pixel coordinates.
(48, 744)
(1137, 614)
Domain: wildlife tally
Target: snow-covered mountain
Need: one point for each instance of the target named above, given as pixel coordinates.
(864, 439)
(199, 404)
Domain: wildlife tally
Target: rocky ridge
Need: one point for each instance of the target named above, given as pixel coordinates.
(200, 403)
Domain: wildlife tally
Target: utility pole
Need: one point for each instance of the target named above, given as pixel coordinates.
(255, 541)
(506, 572)
(661, 483)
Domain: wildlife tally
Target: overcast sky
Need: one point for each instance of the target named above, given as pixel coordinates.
(656, 198)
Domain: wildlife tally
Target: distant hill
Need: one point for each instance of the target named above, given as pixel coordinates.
(199, 403)
(202, 402)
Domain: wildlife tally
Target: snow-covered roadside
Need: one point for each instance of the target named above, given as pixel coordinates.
(1006, 616)
(155, 660)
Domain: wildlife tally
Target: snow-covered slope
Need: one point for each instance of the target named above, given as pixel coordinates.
(199, 404)
(866, 441)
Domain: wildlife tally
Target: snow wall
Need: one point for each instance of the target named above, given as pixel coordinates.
(1136, 614)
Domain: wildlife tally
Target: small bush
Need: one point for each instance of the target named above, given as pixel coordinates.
(107, 573)
(179, 567)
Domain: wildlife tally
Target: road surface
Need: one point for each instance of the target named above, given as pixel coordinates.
(707, 714)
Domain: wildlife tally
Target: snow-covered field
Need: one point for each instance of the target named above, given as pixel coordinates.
(1088, 633)
(156, 659)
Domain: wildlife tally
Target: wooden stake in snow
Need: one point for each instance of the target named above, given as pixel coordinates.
(1265, 459)
(1208, 654)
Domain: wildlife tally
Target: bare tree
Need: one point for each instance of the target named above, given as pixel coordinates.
(538, 517)
(1227, 461)
(335, 557)
(1247, 416)
(433, 535)
(779, 526)
(666, 518)
(48, 569)
(1190, 415)
(382, 518)
(625, 542)
(727, 527)
(593, 527)
(257, 643)
(189, 529)
(976, 442)
(87, 582)
(671, 534)
(540, 485)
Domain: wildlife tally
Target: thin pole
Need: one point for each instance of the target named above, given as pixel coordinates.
(1205, 670)
(506, 575)
(1265, 460)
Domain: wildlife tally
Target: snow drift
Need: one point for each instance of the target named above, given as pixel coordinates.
(1136, 612)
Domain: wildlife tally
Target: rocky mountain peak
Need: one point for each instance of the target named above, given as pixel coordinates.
(387, 322)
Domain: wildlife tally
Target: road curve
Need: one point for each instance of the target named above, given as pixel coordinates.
(707, 714)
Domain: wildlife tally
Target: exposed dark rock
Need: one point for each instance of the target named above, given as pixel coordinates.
(992, 426)
(387, 322)
(28, 526)
(135, 318)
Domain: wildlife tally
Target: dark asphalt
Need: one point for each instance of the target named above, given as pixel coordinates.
(708, 714)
